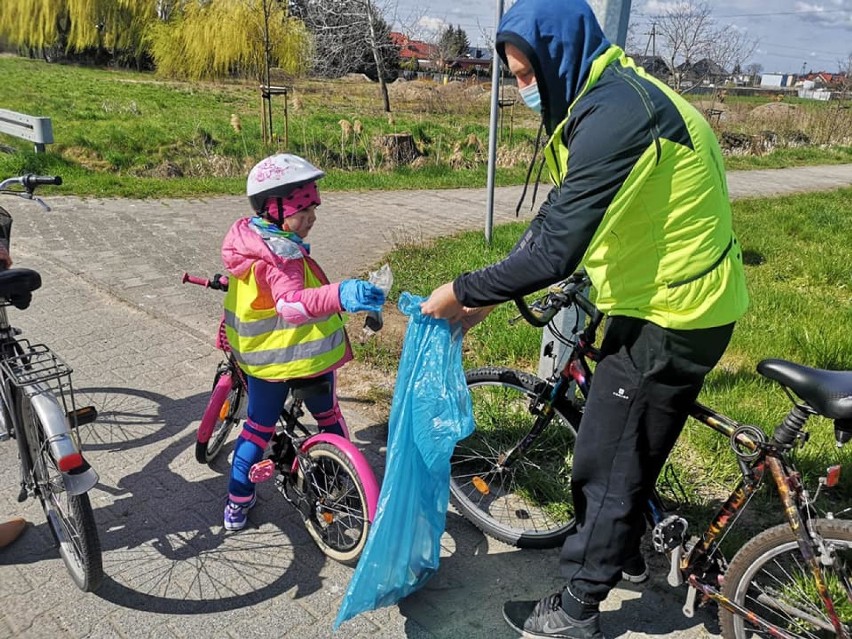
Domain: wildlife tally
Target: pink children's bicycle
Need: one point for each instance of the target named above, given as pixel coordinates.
(324, 476)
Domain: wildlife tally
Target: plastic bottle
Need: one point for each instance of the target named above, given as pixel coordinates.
(383, 278)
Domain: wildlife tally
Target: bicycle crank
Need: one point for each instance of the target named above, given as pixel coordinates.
(669, 537)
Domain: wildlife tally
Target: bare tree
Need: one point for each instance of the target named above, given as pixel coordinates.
(685, 32)
(688, 34)
(349, 35)
(730, 48)
(754, 70)
(844, 67)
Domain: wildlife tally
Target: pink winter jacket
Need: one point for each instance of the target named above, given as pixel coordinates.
(281, 280)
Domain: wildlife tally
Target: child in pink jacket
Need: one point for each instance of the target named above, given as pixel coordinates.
(282, 314)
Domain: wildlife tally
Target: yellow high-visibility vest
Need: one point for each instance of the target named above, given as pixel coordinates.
(640, 260)
(267, 346)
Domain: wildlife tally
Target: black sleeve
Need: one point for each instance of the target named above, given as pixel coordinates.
(604, 145)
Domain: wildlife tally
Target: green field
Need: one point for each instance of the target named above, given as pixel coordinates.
(121, 133)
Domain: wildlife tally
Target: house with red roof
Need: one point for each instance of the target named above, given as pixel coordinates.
(425, 55)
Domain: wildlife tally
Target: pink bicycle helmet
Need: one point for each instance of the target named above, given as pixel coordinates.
(277, 176)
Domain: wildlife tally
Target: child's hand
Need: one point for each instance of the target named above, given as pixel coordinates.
(360, 295)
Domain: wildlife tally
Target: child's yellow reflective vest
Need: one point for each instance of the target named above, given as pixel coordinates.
(267, 346)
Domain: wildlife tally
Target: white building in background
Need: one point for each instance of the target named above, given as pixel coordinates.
(777, 80)
(808, 90)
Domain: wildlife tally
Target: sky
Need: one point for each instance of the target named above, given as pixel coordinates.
(792, 34)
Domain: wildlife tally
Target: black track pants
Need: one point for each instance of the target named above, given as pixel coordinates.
(637, 406)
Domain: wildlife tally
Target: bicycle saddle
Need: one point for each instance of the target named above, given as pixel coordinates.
(17, 285)
(828, 392)
(304, 388)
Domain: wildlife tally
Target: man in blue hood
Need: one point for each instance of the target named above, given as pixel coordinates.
(640, 201)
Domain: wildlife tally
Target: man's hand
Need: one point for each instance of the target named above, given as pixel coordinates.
(5, 258)
(442, 304)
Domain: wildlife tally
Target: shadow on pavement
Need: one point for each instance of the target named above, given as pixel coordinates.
(159, 516)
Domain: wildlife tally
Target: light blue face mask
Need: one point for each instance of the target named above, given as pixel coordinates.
(531, 97)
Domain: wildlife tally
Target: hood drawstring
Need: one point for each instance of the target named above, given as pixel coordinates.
(529, 173)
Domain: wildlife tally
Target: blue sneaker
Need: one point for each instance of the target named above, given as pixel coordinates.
(236, 515)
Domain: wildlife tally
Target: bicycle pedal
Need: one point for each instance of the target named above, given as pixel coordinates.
(669, 533)
(261, 471)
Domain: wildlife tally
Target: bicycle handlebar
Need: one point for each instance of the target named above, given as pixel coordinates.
(218, 282)
(30, 182)
(560, 295)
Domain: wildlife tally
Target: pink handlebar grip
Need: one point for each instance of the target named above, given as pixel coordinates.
(192, 279)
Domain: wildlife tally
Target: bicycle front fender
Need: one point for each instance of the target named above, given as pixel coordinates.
(214, 405)
(54, 423)
(362, 466)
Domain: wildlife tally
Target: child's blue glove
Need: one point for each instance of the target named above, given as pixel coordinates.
(360, 295)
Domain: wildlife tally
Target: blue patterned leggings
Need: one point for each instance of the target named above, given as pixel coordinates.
(265, 400)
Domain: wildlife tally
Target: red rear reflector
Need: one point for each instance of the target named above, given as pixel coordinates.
(833, 476)
(70, 462)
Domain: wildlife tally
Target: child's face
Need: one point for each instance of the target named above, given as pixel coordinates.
(301, 223)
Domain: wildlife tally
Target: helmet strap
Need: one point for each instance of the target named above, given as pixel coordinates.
(276, 216)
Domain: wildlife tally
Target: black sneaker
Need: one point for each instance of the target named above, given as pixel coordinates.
(635, 570)
(546, 618)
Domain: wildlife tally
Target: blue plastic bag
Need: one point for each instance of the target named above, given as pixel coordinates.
(431, 411)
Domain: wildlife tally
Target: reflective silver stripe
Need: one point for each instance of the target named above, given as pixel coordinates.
(263, 326)
(291, 354)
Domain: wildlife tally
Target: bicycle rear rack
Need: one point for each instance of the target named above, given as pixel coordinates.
(37, 363)
(36, 370)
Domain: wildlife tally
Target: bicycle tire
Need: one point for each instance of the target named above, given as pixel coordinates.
(528, 504)
(339, 520)
(787, 591)
(220, 416)
(70, 517)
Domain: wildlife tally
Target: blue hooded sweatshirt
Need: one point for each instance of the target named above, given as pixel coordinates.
(561, 40)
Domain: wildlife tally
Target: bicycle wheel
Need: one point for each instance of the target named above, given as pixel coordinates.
(220, 416)
(769, 578)
(338, 521)
(526, 503)
(69, 516)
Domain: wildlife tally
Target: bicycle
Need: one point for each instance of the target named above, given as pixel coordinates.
(324, 476)
(38, 411)
(511, 478)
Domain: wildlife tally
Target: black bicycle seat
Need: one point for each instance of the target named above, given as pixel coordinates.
(304, 388)
(828, 392)
(17, 285)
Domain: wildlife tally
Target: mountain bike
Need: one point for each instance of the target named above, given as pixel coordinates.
(38, 411)
(324, 476)
(511, 478)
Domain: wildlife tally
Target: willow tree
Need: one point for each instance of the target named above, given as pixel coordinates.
(230, 37)
(78, 25)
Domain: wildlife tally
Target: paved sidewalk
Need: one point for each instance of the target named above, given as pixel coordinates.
(141, 346)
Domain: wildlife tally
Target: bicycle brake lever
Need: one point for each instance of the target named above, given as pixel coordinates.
(40, 201)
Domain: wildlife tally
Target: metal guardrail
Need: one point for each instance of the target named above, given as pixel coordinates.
(36, 129)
